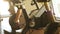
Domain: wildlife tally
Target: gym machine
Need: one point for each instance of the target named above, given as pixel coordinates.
(37, 22)
(52, 27)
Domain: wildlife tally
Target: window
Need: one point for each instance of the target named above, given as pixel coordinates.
(4, 6)
(56, 8)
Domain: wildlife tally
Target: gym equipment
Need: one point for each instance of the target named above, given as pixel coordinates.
(16, 25)
(37, 22)
(42, 22)
(42, 0)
